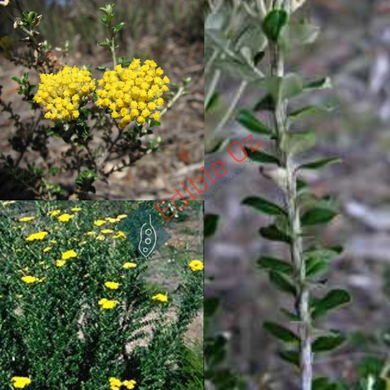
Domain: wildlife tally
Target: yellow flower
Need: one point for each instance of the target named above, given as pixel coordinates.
(37, 236)
(53, 242)
(65, 218)
(100, 237)
(112, 285)
(91, 233)
(30, 279)
(7, 43)
(129, 265)
(122, 216)
(127, 91)
(120, 234)
(107, 303)
(60, 263)
(1, 296)
(53, 213)
(112, 220)
(20, 296)
(129, 384)
(75, 209)
(20, 382)
(99, 222)
(115, 383)
(107, 231)
(196, 265)
(160, 297)
(47, 249)
(64, 92)
(26, 219)
(68, 255)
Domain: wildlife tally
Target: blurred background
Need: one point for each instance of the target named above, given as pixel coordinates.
(354, 49)
(168, 31)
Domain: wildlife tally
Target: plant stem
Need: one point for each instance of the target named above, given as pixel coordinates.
(112, 48)
(296, 249)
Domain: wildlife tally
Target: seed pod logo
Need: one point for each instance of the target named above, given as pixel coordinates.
(148, 238)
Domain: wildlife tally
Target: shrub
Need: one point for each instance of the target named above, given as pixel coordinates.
(76, 308)
(133, 98)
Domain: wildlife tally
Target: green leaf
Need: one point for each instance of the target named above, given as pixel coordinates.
(332, 300)
(249, 121)
(298, 34)
(328, 343)
(212, 103)
(317, 216)
(263, 205)
(210, 224)
(274, 234)
(317, 261)
(282, 283)
(272, 264)
(297, 142)
(290, 356)
(273, 24)
(322, 83)
(325, 384)
(103, 18)
(16, 79)
(308, 110)
(290, 86)
(261, 157)
(118, 27)
(320, 163)
(237, 69)
(280, 332)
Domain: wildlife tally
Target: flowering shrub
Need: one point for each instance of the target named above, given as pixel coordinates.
(134, 98)
(77, 311)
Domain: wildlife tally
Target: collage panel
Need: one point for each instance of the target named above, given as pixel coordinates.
(100, 100)
(100, 295)
(297, 113)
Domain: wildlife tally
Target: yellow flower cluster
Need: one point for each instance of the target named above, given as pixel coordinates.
(37, 236)
(160, 297)
(112, 285)
(115, 383)
(7, 44)
(133, 93)
(129, 265)
(31, 279)
(106, 304)
(26, 219)
(20, 382)
(63, 93)
(196, 265)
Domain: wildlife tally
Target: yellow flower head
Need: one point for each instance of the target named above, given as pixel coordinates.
(106, 304)
(112, 285)
(99, 222)
(112, 220)
(26, 219)
(63, 93)
(100, 237)
(196, 265)
(47, 249)
(65, 218)
(133, 93)
(8, 46)
(75, 209)
(120, 234)
(53, 213)
(68, 255)
(129, 265)
(37, 236)
(121, 216)
(60, 263)
(160, 297)
(91, 233)
(129, 384)
(107, 231)
(20, 382)
(30, 279)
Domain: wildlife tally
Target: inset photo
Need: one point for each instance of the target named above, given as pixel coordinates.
(83, 305)
(100, 100)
